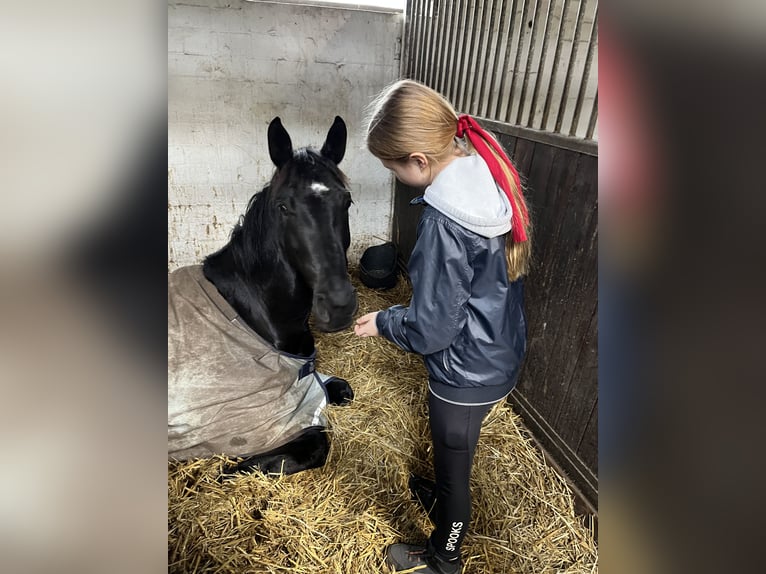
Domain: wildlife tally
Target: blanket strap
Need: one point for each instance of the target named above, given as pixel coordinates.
(308, 368)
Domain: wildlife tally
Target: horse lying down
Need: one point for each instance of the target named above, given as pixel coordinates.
(241, 376)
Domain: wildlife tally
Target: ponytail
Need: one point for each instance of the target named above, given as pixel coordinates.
(518, 247)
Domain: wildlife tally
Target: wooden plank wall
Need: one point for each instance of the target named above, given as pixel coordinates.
(557, 394)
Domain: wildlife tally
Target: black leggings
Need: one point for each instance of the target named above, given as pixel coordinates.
(454, 432)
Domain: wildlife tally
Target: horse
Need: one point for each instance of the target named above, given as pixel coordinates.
(241, 371)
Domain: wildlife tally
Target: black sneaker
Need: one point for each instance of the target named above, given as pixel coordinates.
(423, 490)
(412, 558)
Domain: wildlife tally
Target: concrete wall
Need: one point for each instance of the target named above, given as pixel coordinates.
(232, 67)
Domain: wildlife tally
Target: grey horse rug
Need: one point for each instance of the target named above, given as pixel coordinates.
(229, 391)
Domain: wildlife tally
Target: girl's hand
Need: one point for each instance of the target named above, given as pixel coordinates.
(365, 325)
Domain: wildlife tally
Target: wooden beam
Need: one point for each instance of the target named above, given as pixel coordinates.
(589, 147)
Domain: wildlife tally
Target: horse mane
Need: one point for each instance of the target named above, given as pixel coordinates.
(253, 240)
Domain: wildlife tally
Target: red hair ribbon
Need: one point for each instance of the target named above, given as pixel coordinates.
(468, 126)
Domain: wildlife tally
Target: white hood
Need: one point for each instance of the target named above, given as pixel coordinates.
(466, 192)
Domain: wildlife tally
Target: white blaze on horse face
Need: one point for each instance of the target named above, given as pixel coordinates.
(319, 188)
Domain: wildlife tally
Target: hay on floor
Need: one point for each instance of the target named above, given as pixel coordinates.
(338, 519)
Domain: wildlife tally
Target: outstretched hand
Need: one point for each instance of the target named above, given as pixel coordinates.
(365, 325)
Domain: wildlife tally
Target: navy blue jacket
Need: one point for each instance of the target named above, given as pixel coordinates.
(465, 317)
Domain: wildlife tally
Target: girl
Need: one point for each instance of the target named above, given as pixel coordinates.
(466, 314)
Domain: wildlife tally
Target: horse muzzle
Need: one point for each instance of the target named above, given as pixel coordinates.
(334, 309)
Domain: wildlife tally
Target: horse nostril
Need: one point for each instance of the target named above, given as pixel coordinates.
(321, 309)
(335, 307)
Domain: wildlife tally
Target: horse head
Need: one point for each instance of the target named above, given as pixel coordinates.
(310, 199)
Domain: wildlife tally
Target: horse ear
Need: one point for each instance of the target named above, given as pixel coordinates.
(334, 147)
(280, 146)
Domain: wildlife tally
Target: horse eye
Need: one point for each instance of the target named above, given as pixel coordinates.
(282, 208)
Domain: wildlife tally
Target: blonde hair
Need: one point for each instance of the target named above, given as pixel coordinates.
(409, 117)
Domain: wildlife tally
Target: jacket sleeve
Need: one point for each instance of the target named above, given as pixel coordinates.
(441, 284)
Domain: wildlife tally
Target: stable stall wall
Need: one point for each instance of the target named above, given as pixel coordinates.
(232, 67)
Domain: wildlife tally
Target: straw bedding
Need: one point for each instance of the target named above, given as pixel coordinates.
(338, 519)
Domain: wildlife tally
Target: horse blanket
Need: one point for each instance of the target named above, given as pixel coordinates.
(229, 391)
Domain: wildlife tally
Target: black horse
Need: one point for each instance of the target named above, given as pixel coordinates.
(286, 258)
